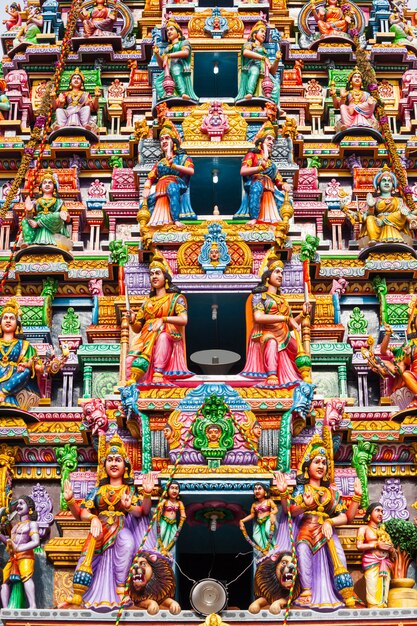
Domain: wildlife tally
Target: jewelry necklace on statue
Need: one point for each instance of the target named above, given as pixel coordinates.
(5, 355)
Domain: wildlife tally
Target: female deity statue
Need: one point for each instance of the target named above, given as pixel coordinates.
(403, 33)
(331, 19)
(99, 21)
(325, 581)
(256, 66)
(115, 531)
(24, 538)
(387, 217)
(171, 177)
(262, 181)
(356, 105)
(272, 350)
(158, 350)
(46, 219)
(168, 526)
(176, 63)
(378, 556)
(74, 107)
(18, 359)
(15, 19)
(31, 28)
(263, 512)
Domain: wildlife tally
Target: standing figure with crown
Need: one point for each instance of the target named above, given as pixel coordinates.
(157, 352)
(171, 176)
(18, 359)
(175, 80)
(115, 532)
(325, 582)
(262, 181)
(275, 337)
(257, 71)
(75, 106)
(46, 219)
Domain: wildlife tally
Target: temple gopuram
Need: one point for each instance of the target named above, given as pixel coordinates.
(208, 312)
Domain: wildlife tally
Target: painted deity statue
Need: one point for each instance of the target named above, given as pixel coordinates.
(403, 33)
(46, 219)
(157, 352)
(263, 513)
(176, 63)
(378, 557)
(31, 28)
(4, 100)
(272, 348)
(169, 527)
(18, 359)
(325, 581)
(256, 67)
(387, 217)
(15, 19)
(262, 182)
(171, 177)
(118, 524)
(24, 538)
(356, 105)
(99, 21)
(75, 106)
(331, 19)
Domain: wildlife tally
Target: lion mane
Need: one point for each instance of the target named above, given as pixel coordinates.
(267, 585)
(161, 584)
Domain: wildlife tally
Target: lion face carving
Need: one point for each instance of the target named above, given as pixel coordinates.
(274, 578)
(152, 584)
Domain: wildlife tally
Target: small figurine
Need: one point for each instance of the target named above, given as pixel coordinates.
(356, 105)
(112, 508)
(387, 218)
(262, 181)
(171, 177)
(168, 526)
(378, 556)
(152, 584)
(74, 107)
(15, 19)
(258, 75)
(23, 540)
(332, 19)
(263, 512)
(99, 21)
(31, 28)
(325, 581)
(46, 219)
(18, 359)
(272, 350)
(157, 352)
(175, 80)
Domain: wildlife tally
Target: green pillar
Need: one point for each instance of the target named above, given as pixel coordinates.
(342, 375)
(88, 381)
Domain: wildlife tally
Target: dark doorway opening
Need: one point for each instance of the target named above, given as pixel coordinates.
(226, 193)
(215, 74)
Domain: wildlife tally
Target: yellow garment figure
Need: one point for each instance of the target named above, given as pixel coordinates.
(22, 562)
(388, 223)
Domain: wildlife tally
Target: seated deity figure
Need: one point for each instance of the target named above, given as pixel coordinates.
(176, 63)
(403, 32)
(157, 352)
(331, 19)
(256, 67)
(356, 105)
(171, 177)
(272, 348)
(99, 21)
(31, 28)
(75, 106)
(262, 182)
(387, 218)
(46, 219)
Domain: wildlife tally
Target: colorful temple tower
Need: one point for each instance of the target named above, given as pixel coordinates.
(208, 314)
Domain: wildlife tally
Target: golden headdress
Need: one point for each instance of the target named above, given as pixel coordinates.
(114, 446)
(355, 70)
(168, 128)
(12, 306)
(270, 263)
(316, 447)
(259, 24)
(174, 23)
(158, 261)
(77, 72)
(49, 174)
(266, 129)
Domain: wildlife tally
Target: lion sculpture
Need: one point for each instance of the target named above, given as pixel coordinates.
(152, 584)
(274, 578)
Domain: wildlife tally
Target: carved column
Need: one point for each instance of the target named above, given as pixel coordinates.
(7, 461)
(88, 381)
(342, 376)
